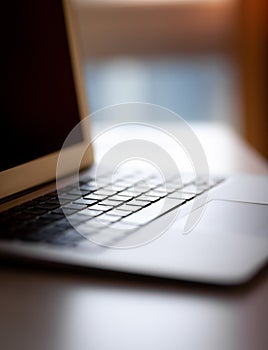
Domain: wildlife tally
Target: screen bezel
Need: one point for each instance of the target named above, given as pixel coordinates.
(43, 170)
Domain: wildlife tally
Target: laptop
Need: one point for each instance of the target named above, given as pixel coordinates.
(60, 208)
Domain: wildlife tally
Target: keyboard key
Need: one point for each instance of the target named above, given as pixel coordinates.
(59, 201)
(127, 193)
(74, 206)
(182, 195)
(88, 187)
(34, 202)
(123, 183)
(143, 185)
(147, 198)
(19, 217)
(139, 203)
(48, 206)
(65, 189)
(167, 188)
(89, 212)
(110, 202)
(50, 217)
(120, 198)
(141, 189)
(49, 195)
(100, 207)
(160, 189)
(152, 212)
(85, 201)
(105, 192)
(78, 219)
(125, 206)
(36, 211)
(66, 211)
(80, 192)
(71, 197)
(152, 182)
(53, 201)
(153, 193)
(97, 197)
(119, 213)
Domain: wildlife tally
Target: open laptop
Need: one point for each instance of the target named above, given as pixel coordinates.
(89, 220)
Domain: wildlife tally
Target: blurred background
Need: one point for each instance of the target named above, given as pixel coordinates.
(206, 60)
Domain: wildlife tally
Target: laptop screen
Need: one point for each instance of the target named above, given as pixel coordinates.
(40, 104)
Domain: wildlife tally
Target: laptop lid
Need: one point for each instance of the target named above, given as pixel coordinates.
(44, 94)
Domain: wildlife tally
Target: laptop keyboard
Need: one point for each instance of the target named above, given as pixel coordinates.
(123, 203)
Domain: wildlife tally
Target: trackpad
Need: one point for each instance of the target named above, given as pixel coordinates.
(235, 218)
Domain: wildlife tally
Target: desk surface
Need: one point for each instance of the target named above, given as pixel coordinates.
(53, 309)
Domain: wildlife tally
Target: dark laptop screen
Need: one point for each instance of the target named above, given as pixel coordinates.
(39, 106)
